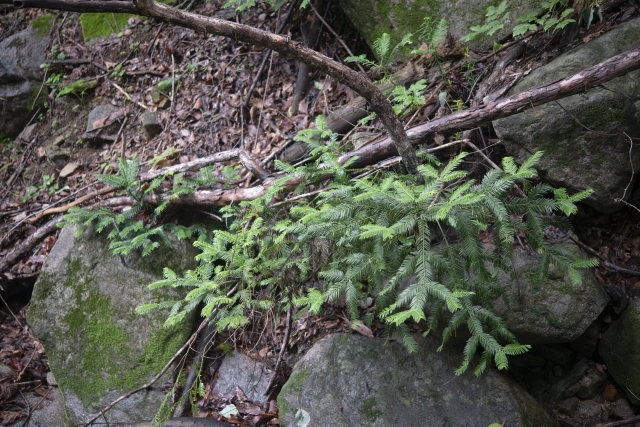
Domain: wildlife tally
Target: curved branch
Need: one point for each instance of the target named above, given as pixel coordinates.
(359, 82)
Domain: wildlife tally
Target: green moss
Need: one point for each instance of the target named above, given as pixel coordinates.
(95, 24)
(369, 409)
(602, 114)
(565, 288)
(295, 383)
(43, 23)
(372, 354)
(108, 360)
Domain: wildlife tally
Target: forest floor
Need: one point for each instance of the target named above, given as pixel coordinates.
(205, 117)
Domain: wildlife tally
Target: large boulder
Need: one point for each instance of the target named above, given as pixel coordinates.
(21, 76)
(351, 381)
(398, 17)
(83, 312)
(620, 350)
(577, 158)
(554, 311)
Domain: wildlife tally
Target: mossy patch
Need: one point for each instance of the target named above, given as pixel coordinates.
(43, 23)
(369, 409)
(102, 24)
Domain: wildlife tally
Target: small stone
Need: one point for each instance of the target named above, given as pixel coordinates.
(103, 135)
(557, 371)
(50, 379)
(591, 384)
(68, 169)
(623, 409)
(28, 133)
(150, 124)
(568, 407)
(58, 156)
(69, 102)
(568, 422)
(589, 408)
(241, 371)
(59, 140)
(7, 370)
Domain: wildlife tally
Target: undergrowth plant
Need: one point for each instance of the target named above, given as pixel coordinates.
(414, 250)
(553, 17)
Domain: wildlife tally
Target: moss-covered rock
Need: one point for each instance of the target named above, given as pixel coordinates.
(555, 311)
(353, 381)
(102, 24)
(400, 17)
(18, 103)
(577, 158)
(83, 312)
(620, 350)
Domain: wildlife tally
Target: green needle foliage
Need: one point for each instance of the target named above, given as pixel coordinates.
(382, 239)
(128, 231)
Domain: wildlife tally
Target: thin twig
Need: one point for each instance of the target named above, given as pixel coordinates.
(124, 122)
(30, 359)
(484, 156)
(620, 423)
(605, 261)
(8, 308)
(36, 407)
(266, 55)
(301, 196)
(335, 35)
(128, 97)
(285, 342)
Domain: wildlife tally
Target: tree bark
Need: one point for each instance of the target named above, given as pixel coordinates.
(281, 44)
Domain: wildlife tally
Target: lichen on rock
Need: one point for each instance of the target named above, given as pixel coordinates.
(83, 312)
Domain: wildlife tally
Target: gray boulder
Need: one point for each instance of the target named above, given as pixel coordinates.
(576, 158)
(352, 381)
(20, 79)
(47, 412)
(238, 370)
(18, 103)
(620, 350)
(397, 18)
(82, 311)
(553, 312)
(21, 55)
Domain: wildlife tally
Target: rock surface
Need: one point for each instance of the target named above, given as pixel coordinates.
(398, 17)
(151, 124)
(104, 134)
(576, 158)
(351, 381)
(82, 311)
(620, 350)
(47, 412)
(20, 79)
(21, 55)
(553, 312)
(238, 370)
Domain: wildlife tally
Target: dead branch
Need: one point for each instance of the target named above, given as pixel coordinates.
(16, 254)
(462, 120)
(359, 82)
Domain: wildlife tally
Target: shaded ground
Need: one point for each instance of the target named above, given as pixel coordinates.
(213, 76)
